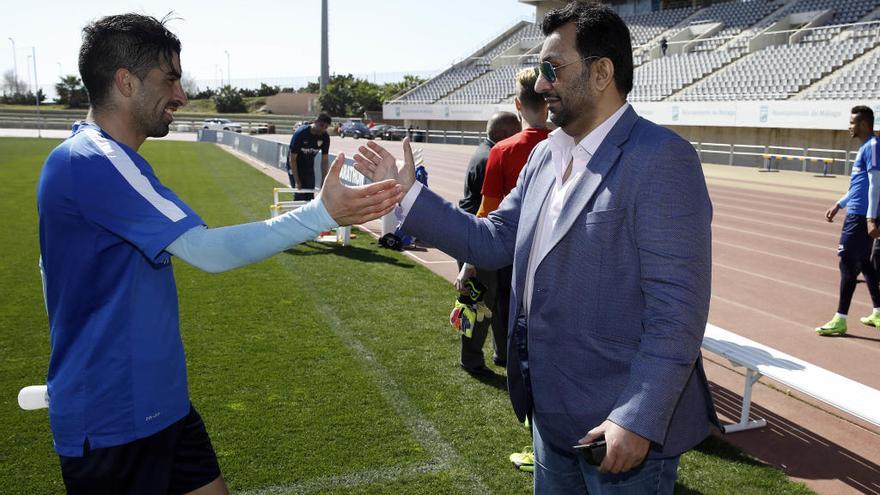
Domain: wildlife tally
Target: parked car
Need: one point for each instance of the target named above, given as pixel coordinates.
(378, 130)
(217, 124)
(355, 129)
(394, 134)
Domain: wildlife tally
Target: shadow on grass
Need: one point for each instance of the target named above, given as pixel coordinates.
(351, 252)
(493, 380)
(786, 445)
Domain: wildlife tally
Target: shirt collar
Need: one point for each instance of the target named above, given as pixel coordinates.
(563, 148)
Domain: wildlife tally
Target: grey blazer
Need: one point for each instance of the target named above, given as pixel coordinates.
(620, 301)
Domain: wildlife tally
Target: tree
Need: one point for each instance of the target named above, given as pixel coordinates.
(11, 85)
(229, 100)
(312, 87)
(189, 86)
(347, 96)
(390, 90)
(71, 92)
(266, 90)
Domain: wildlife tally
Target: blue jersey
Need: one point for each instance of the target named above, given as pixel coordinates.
(116, 368)
(306, 146)
(856, 199)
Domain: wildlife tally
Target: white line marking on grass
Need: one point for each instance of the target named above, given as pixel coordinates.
(421, 429)
(350, 480)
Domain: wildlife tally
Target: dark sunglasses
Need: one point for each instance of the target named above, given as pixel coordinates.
(548, 70)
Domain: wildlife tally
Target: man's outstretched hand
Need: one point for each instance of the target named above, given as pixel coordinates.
(377, 164)
(353, 205)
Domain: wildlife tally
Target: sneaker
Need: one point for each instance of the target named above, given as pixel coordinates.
(837, 326)
(872, 320)
(525, 460)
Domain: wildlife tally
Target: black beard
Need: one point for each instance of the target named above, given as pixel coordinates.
(561, 118)
(159, 129)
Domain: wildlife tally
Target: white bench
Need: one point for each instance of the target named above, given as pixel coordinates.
(278, 207)
(760, 360)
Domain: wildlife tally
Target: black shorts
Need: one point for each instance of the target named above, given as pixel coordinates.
(178, 459)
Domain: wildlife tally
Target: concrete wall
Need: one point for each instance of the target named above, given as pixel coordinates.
(293, 103)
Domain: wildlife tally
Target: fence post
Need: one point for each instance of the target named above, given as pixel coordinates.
(804, 166)
(730, 159)
(444, 136)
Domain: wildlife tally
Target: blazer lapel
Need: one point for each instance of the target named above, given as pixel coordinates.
(597, 169)
(534, 199)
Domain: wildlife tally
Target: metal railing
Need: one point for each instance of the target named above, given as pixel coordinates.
(773, 157)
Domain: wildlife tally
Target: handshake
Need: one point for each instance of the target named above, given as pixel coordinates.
(469, 308)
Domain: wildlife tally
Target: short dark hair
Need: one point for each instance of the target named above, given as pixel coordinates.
(600, 33)
(324, 118)
(130, 41)
(864, 114)
(502, 125)
(525, 89)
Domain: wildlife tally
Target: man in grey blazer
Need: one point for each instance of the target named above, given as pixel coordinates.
(608, 230)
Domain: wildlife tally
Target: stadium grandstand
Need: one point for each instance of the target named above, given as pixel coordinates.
(756, 61)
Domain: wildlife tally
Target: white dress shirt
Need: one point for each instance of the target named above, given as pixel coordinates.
(563, 150)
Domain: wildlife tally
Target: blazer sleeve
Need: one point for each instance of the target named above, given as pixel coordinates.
(485, 242)
(673, 217)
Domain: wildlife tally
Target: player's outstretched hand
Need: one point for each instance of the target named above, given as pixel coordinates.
(376, 163)
(358, 204)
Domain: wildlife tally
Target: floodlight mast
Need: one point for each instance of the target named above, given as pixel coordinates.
(14, 66)
(37, 93)
(325, 59)
(228, 70)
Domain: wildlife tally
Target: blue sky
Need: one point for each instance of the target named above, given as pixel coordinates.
(273, 40)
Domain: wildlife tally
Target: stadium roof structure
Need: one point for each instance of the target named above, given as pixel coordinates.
(755, 63)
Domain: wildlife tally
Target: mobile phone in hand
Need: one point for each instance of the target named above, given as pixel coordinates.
(593, 452)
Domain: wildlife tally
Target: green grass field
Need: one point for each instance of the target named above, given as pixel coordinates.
(321, 370)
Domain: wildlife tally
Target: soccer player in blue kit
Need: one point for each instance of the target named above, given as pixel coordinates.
(860, 226)
(119, 407)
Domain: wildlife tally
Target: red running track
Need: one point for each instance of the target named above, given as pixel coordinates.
(775, 275)
(775, 278)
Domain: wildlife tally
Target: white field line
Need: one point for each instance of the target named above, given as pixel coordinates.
(777, 281)
(424, 432)
(419, 427)
(845, 341)
(783, 239)
(833, 268)
(788, 226)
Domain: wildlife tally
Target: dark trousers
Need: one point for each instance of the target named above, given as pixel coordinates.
(306, 181)
(502, 299)
(849, 272)
(472, 348)
(855, 251)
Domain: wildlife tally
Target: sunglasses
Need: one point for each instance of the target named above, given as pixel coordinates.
(548, 70)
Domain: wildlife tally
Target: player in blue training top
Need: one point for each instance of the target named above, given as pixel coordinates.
(305, 144)
(860, 225)
(119, 408)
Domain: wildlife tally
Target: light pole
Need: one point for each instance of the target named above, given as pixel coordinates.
(14, 65)
(228, 72)
(29, 71)
(60, 73)
(37, 92)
